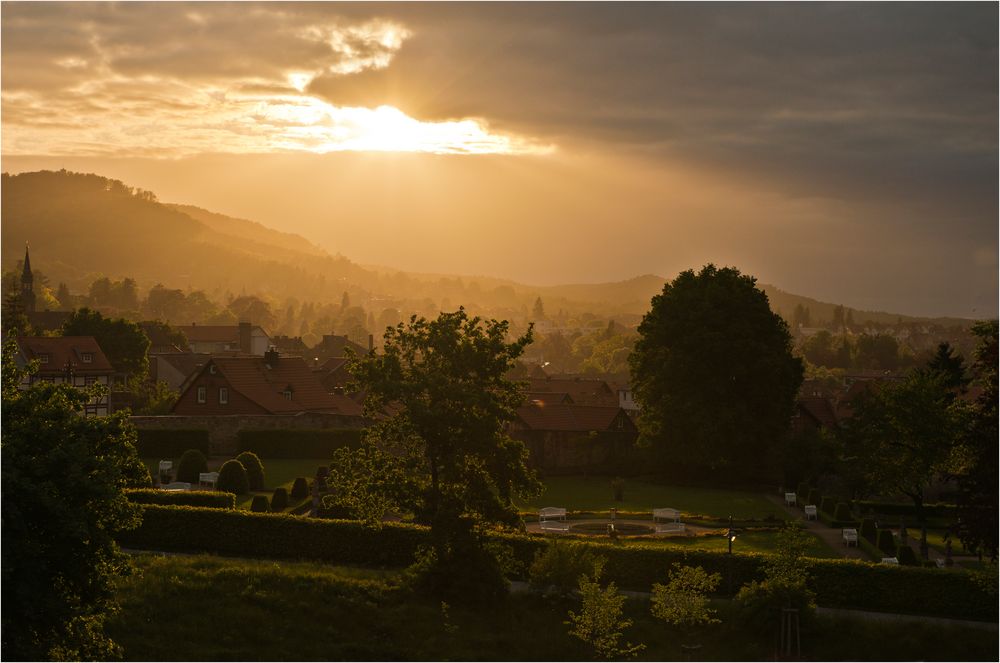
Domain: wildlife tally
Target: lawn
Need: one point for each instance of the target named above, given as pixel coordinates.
(208, 608)
(748, 541)
(595, 494)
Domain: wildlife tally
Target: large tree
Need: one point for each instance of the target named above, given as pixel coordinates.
(123, 341)
(444, 384)
(63, 503)
(714, 372)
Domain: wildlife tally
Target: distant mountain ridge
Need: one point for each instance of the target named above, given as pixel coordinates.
(82, 226)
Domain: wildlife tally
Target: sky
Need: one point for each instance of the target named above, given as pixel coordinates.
(843, 151)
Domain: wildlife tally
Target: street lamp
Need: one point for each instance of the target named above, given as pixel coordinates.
(730, 535)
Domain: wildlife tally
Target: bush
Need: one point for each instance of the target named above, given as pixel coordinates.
(259, 504)
(828, 505)
(279, 501)
(886, 542)
(202, 498)
(300, 489)
(814, 497)
(803, 490)
(557, 567)
(283, 443)
(254, 468)
(946, 511)
(233, 478)
(191, 464)
(843, 511)
(868, 530)
(157, 443)
(761, 602)
(906, 556)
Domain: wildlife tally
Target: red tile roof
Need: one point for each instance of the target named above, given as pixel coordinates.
(548, 397)
(211, 333)
(582, 390)
(62, 349)
(265, 383)
(820, 409)
(572, 418)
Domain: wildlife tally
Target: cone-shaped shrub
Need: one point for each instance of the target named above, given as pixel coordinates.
(279, 501)
(827, 505)
(300, 489)
(886, 542)
(843, 511)
(259, 504)
(813, 497)
(254, 468)
(191, 464)
(906, 556)
(233, 478)
(868, 531)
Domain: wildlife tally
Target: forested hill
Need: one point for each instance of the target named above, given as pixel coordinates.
(83, 226)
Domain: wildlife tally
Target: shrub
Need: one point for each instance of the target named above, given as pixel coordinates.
(557, 567)
(948, 511)
(906, 556)
(259, 504)
(843, 511)
(601, 620)
(803, 490)
(202, 498)
(868, 531)
(283, 443)
(886, 542)
(618, 489)
(158, 443)
(279, 501)
(300, 489)
(254, 468)
(814, 497)
(191, 464)
(233, 478)
(683, 601)
(828, 505)
(761, 602)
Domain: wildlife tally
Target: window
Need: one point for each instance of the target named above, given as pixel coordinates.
(223, 396)
(202, 394)
(89, 380)
(87, 357)
(211, 369)
(43, 359)
(287, 393)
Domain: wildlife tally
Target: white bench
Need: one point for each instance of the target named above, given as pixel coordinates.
(810, 511)
(890, 560)
(208, 479)
(553, 519)
(790, 499)
(939, 563)
(176, 486)
(850, 535)
(667, 521)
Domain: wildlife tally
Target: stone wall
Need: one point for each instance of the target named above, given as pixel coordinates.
(222, 429)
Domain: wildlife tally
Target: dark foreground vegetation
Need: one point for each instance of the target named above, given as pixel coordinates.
(207, 608)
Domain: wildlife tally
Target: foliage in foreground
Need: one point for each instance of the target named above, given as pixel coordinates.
(601, 622)
(683, 601)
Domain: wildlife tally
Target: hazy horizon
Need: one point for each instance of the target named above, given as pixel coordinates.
(842, 152)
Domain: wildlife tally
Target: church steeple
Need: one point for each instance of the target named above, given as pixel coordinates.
(27, 284)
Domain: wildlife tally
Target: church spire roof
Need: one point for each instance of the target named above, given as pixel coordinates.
(27, 264)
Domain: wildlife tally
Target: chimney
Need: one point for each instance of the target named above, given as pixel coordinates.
(271, 357)
(371, 343)
(246, 344)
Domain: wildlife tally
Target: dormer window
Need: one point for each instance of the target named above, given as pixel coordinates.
(87, 357)
(287, 393)
(211, 369)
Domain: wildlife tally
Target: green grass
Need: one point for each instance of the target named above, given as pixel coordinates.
(216, 609)
(594, 493)
(748, 541)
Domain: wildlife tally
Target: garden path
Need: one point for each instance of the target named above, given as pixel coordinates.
(831, 536)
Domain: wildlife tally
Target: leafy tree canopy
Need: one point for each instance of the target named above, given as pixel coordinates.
(714, 372)
(123, 341)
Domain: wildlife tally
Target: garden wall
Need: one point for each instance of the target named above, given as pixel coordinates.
(223, 430)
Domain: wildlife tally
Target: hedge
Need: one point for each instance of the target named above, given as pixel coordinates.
(837, 583)
(947, 511)
(843, 511)
(203, 498)
(285, 443)
(828, 505)
(886, 542)
(168, 444)
(813, 497)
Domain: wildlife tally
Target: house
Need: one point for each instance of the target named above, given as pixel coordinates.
(583, 391)
(571, 438)
(333, 375)
(244, 337)
(334, 346)
(176, 368)
(75, 360)
(548, 397)
(814, 413)
(272, 384)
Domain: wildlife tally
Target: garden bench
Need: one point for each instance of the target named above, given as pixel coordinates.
(850, 535)
(790, 499)
(810, 511)
(166, 467)
(890, 560)
(208, 479)
(177, 485)
(939, 562)
(667, 521)
(553, 518)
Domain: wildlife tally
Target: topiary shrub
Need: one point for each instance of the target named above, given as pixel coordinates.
(279, 501)
(300, 489)
(828, 505)
(254, 468)
(868, 530)
(843, 511)
(203, 498)
(259, 504)
(803, 490)
(191, 464)
(906, 556)
(886, 542)
(233, 478)
(814, 497)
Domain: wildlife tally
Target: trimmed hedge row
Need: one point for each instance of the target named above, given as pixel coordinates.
(896, 509)
(202, 498)
(164, 444)
(837, 583)
(284, 443)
